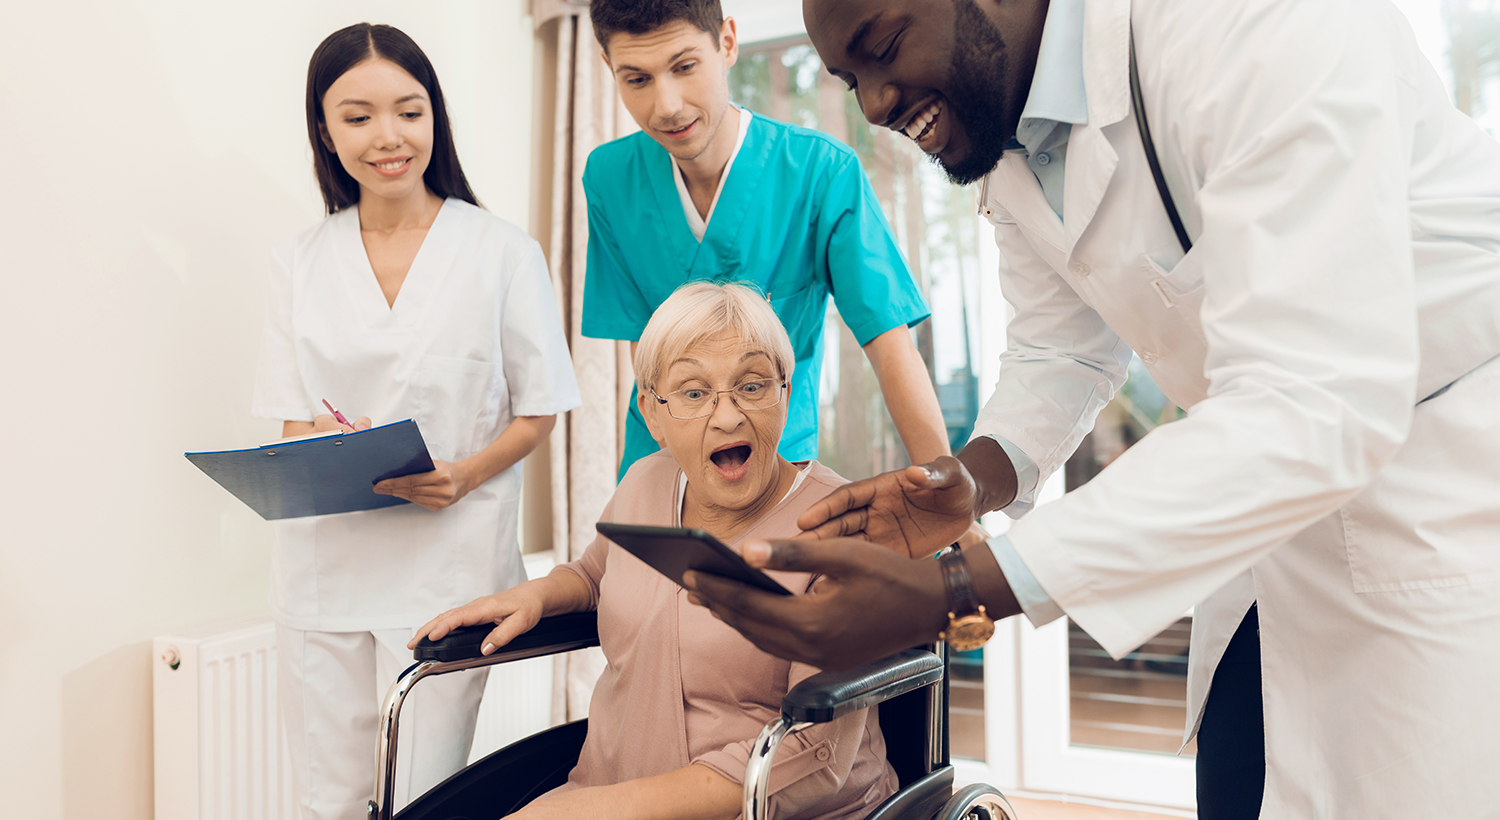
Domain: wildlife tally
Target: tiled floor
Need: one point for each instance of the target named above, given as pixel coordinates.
(1027, 809)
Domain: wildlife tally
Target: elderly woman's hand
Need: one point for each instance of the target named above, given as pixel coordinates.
(514, 611)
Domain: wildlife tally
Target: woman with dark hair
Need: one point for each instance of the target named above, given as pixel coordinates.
(407, 301)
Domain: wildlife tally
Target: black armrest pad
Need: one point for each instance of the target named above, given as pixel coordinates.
(562, 633)
(829, 695)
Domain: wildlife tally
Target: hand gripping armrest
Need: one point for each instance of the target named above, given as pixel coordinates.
(830, 695)
(457, 651)
(550, 636)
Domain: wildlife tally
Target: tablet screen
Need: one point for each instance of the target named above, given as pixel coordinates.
(673, 551)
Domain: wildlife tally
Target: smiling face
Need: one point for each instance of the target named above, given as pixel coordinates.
(953, 76)
(377, 118)
(674, 82)
(729, 456)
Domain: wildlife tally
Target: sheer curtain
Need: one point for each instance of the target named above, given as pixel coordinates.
(578, 98)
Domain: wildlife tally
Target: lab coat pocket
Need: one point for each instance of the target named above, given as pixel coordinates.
(1179, 290)
(459, 404)
(1429, 518)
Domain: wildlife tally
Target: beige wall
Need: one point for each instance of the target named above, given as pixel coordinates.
(151, 153)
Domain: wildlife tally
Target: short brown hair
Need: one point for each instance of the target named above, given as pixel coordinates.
(611, 17)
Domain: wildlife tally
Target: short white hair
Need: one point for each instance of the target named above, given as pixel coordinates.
(701, 310)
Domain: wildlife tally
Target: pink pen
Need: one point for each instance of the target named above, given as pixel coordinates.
(337, 416)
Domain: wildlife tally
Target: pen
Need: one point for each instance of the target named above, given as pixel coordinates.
(337, 416)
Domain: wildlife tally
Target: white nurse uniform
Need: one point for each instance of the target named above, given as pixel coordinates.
(473, 340)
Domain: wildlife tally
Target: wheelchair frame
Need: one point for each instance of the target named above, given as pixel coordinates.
(927, 780)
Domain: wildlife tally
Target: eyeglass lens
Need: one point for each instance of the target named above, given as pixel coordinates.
(696, 402)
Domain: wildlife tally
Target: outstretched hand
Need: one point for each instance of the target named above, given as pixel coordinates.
(916, 511)
(869, 603)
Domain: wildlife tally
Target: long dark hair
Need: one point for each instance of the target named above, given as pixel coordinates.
(346, 48)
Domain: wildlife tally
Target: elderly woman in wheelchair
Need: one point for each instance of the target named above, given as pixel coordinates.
(675, 716)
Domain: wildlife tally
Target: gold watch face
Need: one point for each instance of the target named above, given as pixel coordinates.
(969, 632)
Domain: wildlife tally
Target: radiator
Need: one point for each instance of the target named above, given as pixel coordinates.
(218, 745)
(219, 750)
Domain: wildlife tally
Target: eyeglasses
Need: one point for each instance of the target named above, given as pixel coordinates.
(698, 402)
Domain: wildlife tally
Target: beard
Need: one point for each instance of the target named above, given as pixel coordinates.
(976, 94)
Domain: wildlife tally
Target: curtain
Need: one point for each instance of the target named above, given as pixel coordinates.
(578, 96)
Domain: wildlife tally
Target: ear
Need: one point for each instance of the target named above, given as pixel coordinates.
(650, 411)
(729, 42)
(327, 140)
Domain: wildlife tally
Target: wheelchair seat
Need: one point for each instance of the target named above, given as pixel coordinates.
(910, 688)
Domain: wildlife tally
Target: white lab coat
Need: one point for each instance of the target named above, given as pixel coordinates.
(1346, 265)
(474, 340)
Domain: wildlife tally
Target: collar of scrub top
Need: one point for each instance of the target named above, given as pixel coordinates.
(699, 224)
(1057, 99)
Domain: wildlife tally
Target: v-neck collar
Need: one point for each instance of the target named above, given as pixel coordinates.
(742, 180)
(415, 288)
(697, 224)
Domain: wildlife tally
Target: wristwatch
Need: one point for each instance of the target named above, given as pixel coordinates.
(969, 626)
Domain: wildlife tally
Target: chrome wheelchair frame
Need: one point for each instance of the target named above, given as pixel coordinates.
(910, 688)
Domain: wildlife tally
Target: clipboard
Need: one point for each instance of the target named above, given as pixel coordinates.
(321, 475)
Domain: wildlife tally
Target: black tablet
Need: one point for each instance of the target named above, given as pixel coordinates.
(673, 551)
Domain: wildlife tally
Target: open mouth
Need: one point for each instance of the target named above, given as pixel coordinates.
(732, 460)
(920, 126)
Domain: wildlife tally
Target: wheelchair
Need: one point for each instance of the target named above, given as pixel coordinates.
(910, 688)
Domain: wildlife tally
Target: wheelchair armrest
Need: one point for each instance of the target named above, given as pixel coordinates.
(829, 695)
(559, 633)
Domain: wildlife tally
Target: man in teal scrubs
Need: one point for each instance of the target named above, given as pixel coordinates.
(706, 190)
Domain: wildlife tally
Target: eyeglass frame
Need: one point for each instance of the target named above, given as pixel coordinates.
(780, 385)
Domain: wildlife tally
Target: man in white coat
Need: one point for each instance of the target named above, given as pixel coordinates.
(1333, 334)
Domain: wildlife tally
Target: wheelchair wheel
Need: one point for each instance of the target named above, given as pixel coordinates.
(977, 802)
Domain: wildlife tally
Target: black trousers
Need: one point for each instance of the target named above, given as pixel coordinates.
(1232, 737)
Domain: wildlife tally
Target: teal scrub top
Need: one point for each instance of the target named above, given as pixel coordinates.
(796, 217)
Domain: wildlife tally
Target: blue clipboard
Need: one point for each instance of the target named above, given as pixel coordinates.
(319, 476)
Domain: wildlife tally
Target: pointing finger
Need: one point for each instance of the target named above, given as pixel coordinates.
(848, 497)
(849, 525)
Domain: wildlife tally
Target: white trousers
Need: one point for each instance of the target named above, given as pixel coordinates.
(330, 688)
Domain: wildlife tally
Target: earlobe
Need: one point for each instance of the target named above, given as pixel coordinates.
(648, 407)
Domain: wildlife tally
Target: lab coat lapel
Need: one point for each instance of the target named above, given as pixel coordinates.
(719, 258)
(1091, 159)
(675, 236)
(1021, 194)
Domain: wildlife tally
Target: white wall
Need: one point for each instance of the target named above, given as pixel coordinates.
(761, 20)
(151, 153)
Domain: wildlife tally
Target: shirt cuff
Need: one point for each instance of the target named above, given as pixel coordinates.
(1035, 602)
(1028, 475)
